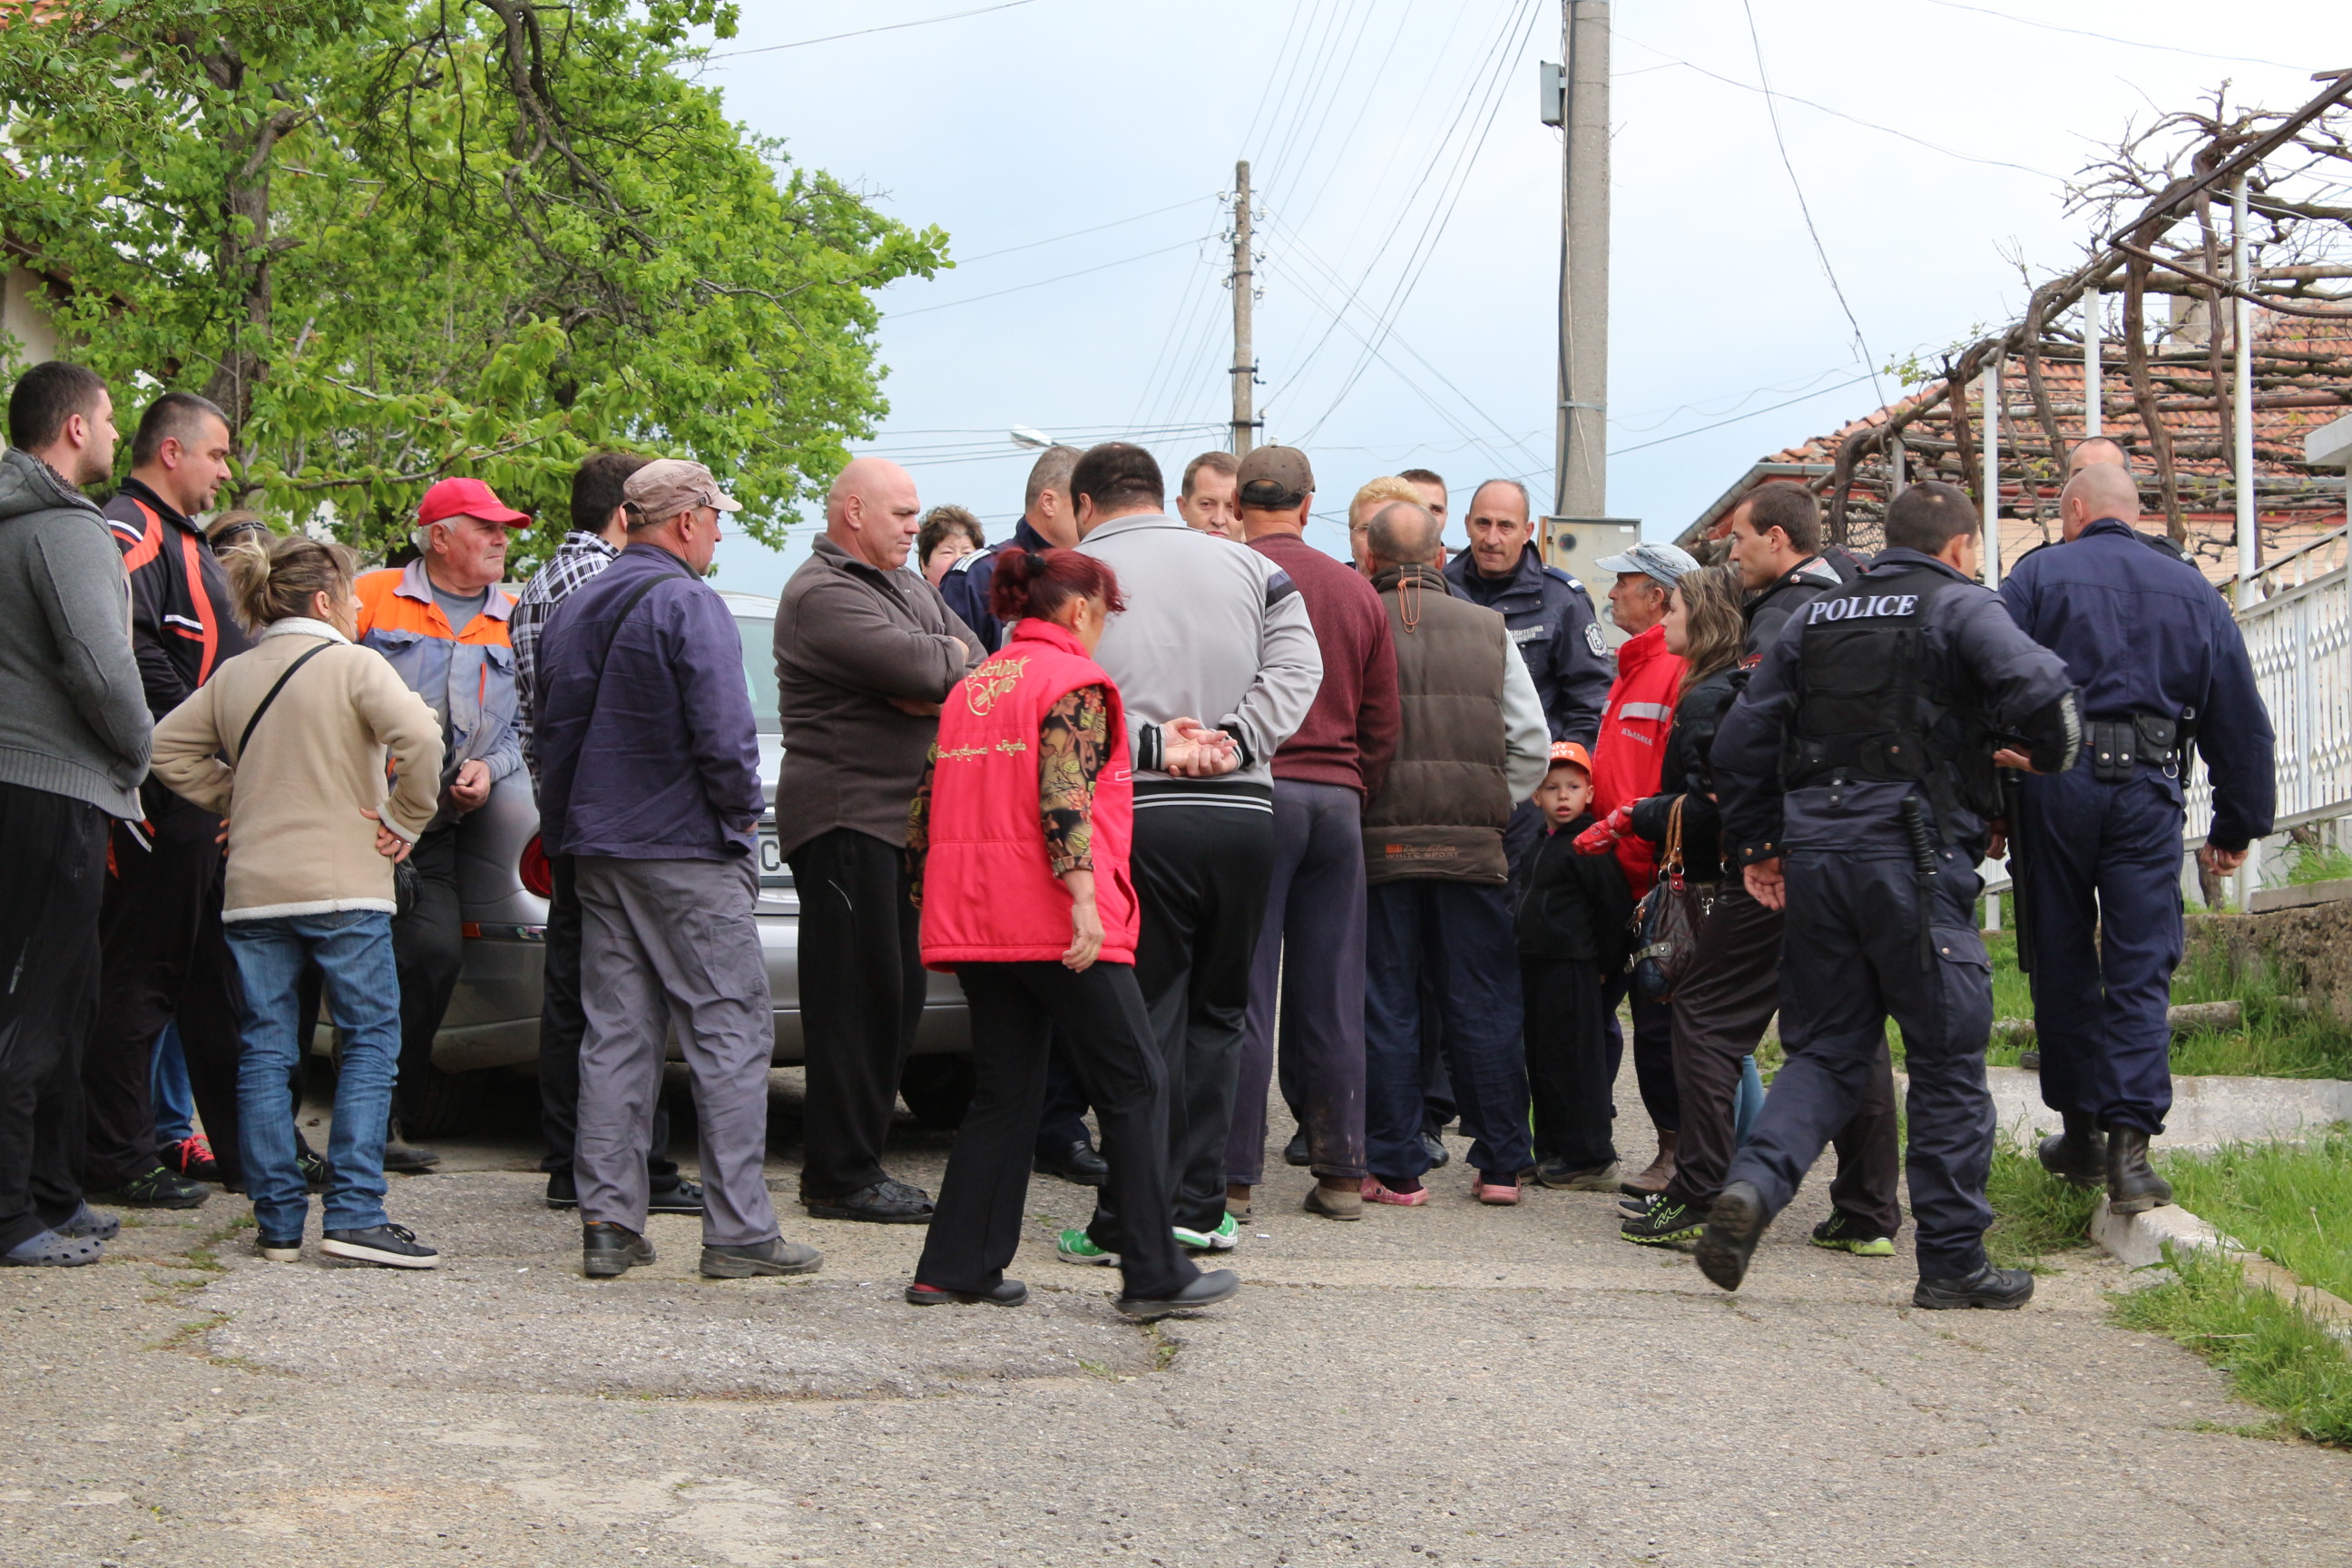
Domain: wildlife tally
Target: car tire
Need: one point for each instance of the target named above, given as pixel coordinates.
(939, 1089)
(442, 1104)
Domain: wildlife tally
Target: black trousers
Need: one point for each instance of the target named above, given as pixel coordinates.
(427, 948)
(1017, 1010)
(1653, 1051)
(861, 996)
(1063, 1119)
(1720, 1011)
(1569, 1076)
(1201, 874)
(562, 1025)
(53, 869)
(161, 956)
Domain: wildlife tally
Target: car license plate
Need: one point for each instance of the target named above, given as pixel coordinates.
(771, 859)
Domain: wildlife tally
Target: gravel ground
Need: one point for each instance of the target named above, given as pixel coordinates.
(1447, 1384)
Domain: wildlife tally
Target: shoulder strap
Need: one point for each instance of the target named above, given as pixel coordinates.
(242, 741)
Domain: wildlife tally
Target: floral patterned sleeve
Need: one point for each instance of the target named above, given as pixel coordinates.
(1073, 745)
(919, 827)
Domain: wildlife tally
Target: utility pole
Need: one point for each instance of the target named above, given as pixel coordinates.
(1244, 349)
(1581, 475)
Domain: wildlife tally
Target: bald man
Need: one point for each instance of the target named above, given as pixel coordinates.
(2161, 667)
(866, 651)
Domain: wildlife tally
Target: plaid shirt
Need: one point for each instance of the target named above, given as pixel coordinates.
(580, 557)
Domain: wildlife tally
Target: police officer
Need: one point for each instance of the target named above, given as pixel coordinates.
(2161, 665)
(1858, 772)
(1547, 613)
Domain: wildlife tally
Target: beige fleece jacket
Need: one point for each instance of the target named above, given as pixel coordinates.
(296, 842)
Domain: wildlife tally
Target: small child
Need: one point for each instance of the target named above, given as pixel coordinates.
(1572, 918)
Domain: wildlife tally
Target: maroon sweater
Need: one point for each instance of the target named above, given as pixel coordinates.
(1351, 731)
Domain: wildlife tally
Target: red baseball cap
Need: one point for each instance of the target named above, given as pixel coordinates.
(467, 498)
(1572, 753)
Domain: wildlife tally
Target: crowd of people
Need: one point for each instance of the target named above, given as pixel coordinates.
(1195, 812)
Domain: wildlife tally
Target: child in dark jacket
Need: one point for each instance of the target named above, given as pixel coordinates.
(1572, 919)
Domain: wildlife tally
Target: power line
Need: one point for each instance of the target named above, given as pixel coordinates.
(1751, 413)
(862, 32)
(1076, 232)
(2110, 38)
(1042, 282)
(1771, 93)
(1772, 110)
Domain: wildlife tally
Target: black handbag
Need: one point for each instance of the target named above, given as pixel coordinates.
(1667, 919)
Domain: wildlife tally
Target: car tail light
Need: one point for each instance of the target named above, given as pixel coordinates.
(536, 874)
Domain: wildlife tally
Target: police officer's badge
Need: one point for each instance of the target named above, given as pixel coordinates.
(1595, 641)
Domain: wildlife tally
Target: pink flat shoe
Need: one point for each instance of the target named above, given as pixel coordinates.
(1374, 1193)
(1495, 1193)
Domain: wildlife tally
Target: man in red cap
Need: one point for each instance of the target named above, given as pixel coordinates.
(441, 620)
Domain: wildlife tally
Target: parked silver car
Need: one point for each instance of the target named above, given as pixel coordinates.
(493, 1018)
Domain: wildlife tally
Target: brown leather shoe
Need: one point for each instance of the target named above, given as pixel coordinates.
(1237, 1200)
(1660, 1172)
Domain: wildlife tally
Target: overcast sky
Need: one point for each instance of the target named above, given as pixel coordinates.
(1408, 184)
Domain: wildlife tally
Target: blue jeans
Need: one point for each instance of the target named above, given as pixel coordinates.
(1459, 935)
(174, 1101)
(354, 951)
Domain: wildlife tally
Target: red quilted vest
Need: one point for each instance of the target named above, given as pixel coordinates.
(988, 895)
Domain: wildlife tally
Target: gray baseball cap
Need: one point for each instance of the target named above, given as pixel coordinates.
(1663, 561)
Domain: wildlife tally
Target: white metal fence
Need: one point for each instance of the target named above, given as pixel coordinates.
(2300, 636)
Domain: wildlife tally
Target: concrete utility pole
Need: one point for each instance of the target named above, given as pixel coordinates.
(1245, 351)
(2094, 370)
(1580, 487)
(2242, 412)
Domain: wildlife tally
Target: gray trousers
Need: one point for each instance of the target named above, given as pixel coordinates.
(664, 943)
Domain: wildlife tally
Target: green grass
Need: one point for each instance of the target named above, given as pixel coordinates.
(2319, 863)
(2277, 1041)
(2290, 1204)
(2274, 1355)
(2034, 1213)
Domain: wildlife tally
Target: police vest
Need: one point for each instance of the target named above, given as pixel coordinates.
(1866, 709)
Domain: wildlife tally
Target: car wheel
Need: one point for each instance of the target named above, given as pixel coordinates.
(939, 1089)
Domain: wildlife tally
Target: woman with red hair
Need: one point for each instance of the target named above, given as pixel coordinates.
(1021, 831)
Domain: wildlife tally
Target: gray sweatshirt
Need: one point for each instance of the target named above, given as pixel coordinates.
(1212, 631)
(73, 716)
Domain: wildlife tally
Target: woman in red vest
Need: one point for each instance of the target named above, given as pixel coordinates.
(1022, 828)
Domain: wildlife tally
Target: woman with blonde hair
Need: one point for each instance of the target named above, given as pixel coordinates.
(306, 720)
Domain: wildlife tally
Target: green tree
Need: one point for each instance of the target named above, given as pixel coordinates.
(403, 239)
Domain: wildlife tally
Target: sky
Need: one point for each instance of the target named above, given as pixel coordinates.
(1079, 154)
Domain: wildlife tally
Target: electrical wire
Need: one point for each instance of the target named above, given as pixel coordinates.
(862, 32)
(1056, 239)
(1042, 282)
(1772, 110)
(1751, 413)
(2110, 38)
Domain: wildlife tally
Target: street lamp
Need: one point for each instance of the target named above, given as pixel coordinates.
(1035, 441)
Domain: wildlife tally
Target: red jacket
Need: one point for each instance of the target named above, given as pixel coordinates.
(990, 895)
(1632, 749)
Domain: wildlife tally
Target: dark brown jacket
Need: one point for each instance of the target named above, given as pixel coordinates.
(848, 640)
(1474, 739)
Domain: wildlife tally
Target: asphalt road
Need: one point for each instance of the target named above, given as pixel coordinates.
(1447, 1385)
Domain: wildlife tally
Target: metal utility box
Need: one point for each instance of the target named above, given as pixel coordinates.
(1574, 543)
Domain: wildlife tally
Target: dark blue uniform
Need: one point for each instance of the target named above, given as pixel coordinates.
(2144, 634)
(1549, 616)
(1862, 765)
(966, 585)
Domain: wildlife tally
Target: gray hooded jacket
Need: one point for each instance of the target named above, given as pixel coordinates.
(73, 716)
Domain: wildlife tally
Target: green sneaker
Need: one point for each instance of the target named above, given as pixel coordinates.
(1074, 1245)
(1224, 1239)
(1842, 1233)
(1663, 1223)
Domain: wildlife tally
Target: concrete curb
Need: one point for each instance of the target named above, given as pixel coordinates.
(2138, 1240)
(2207, 1113)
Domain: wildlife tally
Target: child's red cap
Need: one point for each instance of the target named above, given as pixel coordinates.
(1573, 753)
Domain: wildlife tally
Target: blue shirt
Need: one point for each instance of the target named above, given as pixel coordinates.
(2142, 632)
(658, 759)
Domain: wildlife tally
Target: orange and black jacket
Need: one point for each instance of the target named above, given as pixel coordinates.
(181, 627)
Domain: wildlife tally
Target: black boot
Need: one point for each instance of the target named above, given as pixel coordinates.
(2133, 1185)
(2079, 1154)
